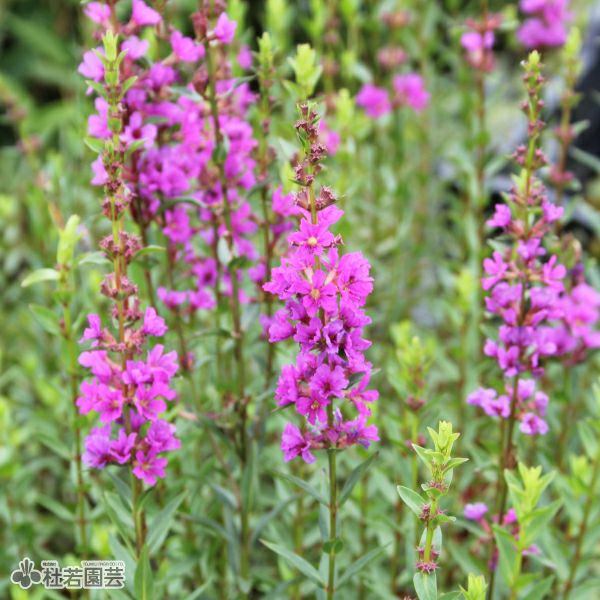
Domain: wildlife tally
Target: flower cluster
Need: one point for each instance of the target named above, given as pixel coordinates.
(128, 394)
(546, 25)
(131, 397)
(171, 140)
(324, 293)
(523, 282)
(577, 331)
(408, 90)
(478, 42)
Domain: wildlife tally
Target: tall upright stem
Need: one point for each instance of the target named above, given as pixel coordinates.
(115, 189)
(589, 503)
(81, 520)
(332, 456)
(263, 160)
(237, 333)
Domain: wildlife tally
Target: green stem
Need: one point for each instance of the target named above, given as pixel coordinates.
(237, 332)
(589, 503)
(81, 520)
(332, 455)
(429, 534)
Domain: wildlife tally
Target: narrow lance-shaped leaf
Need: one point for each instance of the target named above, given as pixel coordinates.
(297, 561)
(355, 476)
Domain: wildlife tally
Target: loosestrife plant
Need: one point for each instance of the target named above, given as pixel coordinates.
(324, 293)
(525, 493)
(441, 465)
(189, 149)
(523, 285)
(128, 393)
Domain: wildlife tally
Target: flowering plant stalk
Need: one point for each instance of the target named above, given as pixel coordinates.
(219, 158)
(128, 392)
(441, 465)
(571, 69)
(587, 471)
(525, 493)
(324, 293)
(523, 291)
(265, 74)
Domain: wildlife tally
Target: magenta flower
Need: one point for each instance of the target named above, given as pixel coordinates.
(531, 424)
(410, 91)
(142, 14)
(149, 466)
(317, 293)
(136, 130)
(293, 444)
(546, 26)
(98, 12)
(98, 448)
(478, 42)
(135, 47)
(161, 436)
(313, 408)
(502, 216)
(374, 100)
(244, 58)
(476, 511)
(92, 67)
(185, 48)
(121, 448)
(153, 324)
(224, 30)
(93, 332)
(98, 124)
(328, 382)
(312, 239)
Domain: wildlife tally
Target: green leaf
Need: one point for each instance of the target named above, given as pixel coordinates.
(68, 237)
(47, 318)
(57, 508)
(122, 488)
(507, 553)
(354, 478)
(161, 523)
(309, 489)
(359, 565)
(151, 249)
(536, 521)
(423, 453)
(143, 582)
(94, 144)
(540, 589)
(425, 586)
(297, 561)
(39, 276)
(268, 517)
(121, 521)
(588, 438)
(93, 258)
(213, 526)
(333, 546)
(454, 462)
(411, 499)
